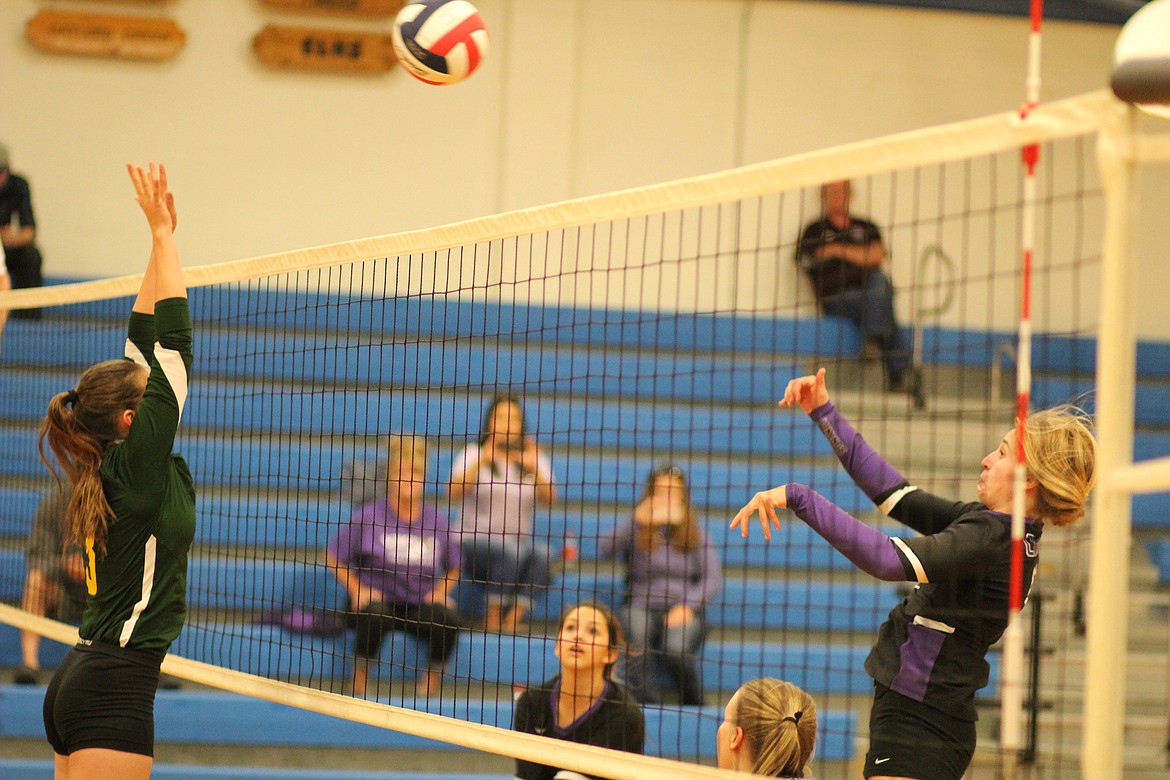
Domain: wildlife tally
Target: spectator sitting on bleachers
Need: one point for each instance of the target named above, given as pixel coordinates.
(398, 560)
(582, 704)
(769, 728)
(55, 584)
(5, 284)
(500, 480)
(672, 573)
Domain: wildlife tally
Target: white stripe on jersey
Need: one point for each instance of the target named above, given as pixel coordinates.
(937, 625)
(888, 505)
(135, 354)
(915, 564)
(176, 373)
(147, 587)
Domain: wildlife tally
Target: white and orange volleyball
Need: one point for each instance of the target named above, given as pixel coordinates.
(440, 41)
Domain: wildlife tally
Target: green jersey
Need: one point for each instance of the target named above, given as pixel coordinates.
(137, 590)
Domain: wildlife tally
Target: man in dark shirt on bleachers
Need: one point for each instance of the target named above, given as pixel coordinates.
(842, 257)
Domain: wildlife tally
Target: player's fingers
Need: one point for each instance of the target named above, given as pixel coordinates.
(739, 522)
(764, 524)
(162, 177)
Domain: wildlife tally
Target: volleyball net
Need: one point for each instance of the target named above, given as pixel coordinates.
(641, 328)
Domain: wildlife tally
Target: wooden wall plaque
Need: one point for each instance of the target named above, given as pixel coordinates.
(368, 8)
(314, 48)
(105, 35)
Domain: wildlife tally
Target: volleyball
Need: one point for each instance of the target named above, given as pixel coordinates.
(439, 41)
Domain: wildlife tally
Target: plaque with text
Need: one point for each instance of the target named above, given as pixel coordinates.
(314, 48)
(105, 35)
(368, 8)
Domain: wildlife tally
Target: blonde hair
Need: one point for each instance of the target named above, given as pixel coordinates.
(779, 722)
(1060, 454)
(404, 449)
(78, 426)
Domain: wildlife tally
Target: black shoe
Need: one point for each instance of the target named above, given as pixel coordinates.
(26, 676)
(871, 351)
(910, 383)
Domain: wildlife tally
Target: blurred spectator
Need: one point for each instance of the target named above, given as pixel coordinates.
(55, 584)
(842, 257)
(398, 561)
(18, 233)
(673, 572)
(500, 480)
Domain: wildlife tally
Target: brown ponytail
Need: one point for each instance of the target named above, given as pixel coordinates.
(79, 425)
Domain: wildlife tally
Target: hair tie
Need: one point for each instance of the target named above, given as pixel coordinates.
(72, 398)
(794, 717)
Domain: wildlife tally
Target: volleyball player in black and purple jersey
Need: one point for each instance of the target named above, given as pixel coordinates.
(930, 655)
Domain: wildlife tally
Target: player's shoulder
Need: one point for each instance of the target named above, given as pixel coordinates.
(977, 518)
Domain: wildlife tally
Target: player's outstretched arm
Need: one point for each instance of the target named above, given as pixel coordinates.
(163, 277)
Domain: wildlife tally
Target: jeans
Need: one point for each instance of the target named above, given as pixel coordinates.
(513, 570)
(870, 306)
(650, 640)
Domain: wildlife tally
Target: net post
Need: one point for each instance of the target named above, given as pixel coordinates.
(1102, 744)
(1012, 675)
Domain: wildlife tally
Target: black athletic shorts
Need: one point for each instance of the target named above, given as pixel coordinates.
(102, 696)
(910, 739)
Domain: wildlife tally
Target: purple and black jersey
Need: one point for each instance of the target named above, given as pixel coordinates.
(933, 646)
(614, 722)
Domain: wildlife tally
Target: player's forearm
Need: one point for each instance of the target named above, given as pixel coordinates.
(868, 548)
(169, 282)
(868, 469)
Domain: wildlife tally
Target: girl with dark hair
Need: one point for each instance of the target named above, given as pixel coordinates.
(132, 511)
(582, 704)
(500, 480)
(672, 573)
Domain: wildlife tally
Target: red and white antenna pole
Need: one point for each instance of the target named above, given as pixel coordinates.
(1012, 677)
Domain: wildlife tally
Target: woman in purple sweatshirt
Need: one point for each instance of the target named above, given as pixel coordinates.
(930, 655)
(398, 562)
(673, 572)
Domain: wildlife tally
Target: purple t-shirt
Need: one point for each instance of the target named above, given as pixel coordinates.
(403, 561)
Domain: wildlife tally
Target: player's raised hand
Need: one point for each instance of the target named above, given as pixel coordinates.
(765, 503)
(152, 194)
(807, 392)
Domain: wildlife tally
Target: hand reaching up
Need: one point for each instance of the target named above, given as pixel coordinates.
(807, 392)
(157, 202)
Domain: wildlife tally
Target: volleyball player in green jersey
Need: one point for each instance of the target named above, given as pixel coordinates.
(133, 511)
